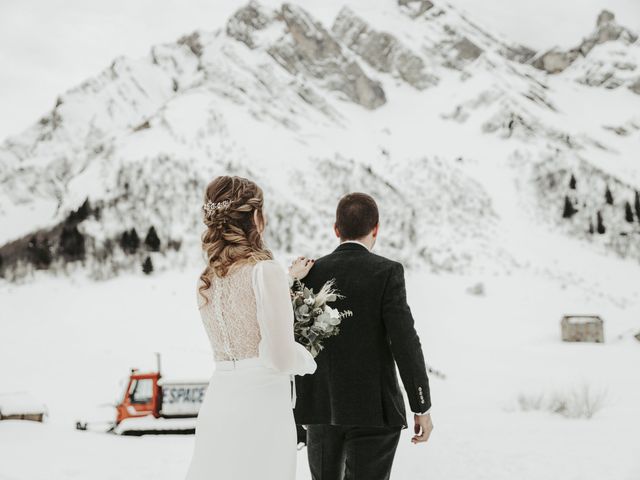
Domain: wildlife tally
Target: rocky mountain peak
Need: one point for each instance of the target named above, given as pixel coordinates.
(607, 30)
(381, 50)
(246, 21)
(605, 17)
(303, 46)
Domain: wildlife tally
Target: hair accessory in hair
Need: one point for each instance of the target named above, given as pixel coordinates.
(212, 207)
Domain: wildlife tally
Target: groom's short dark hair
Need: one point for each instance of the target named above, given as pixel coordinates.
(356, 215)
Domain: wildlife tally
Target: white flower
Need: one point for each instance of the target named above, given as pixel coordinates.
(328, 319)
(324, 322)
(334, 315)
(309, 301)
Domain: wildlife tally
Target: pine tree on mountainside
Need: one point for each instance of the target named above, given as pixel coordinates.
(572, 182)
(39, 252)
(151, 240)
(71, 244)
(591, 229)
(77, 216)
(129, 241)
(134, 239)
(147, 266)
(608, 196)
(569, 210)
(124, 240)
(601, 228)
(628, 212)
(637, 205)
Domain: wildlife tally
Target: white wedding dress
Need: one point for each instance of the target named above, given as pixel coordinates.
(245, 428)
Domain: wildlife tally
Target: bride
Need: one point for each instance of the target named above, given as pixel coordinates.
(245, 428)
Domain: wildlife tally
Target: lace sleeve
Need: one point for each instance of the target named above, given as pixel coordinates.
(275, 317)
(200, 299)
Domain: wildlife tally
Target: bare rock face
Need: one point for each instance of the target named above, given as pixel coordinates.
(467, 50)
(381, 50)
(245, 22)
(518, 53)
(605, 17)
(310, 39)
(555, 61)
(635, 86)
(193, 42)
(304, 47)
(415, 8)
(311, 50)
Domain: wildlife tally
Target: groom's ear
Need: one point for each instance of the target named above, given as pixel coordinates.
(374, 232)
(336, 231)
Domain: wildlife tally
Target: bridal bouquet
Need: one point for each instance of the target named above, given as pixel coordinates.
(314, 319)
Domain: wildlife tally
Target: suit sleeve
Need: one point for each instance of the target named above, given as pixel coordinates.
(405, 343)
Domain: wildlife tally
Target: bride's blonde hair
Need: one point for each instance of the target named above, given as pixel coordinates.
(231, 235)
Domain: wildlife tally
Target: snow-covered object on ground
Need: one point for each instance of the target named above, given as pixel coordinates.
(152, 425)
(581, 319)
(20, 403)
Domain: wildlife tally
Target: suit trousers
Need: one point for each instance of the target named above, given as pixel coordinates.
(348, 452)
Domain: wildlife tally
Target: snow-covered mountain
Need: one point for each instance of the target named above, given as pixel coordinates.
(482, 154)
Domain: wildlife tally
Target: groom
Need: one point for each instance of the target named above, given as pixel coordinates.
(353, 406)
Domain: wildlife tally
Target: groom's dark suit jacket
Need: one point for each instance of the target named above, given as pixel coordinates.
(356, 382)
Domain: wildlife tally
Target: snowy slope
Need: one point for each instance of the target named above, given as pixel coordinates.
(462, 136)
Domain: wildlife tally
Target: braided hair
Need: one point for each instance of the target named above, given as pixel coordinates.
(232, 236)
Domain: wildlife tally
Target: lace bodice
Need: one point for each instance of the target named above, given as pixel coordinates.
(249, 315)
(230, 317)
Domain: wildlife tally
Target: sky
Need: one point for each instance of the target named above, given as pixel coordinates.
(49, 46)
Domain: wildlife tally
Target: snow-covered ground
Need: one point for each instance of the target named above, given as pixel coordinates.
(70, 344)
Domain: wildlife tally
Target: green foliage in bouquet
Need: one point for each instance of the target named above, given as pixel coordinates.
(315, 320)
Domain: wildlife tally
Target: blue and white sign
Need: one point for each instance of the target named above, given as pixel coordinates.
(182, 398)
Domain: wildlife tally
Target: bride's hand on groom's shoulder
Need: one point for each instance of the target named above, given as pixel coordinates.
(422, 428)
(300, 267)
